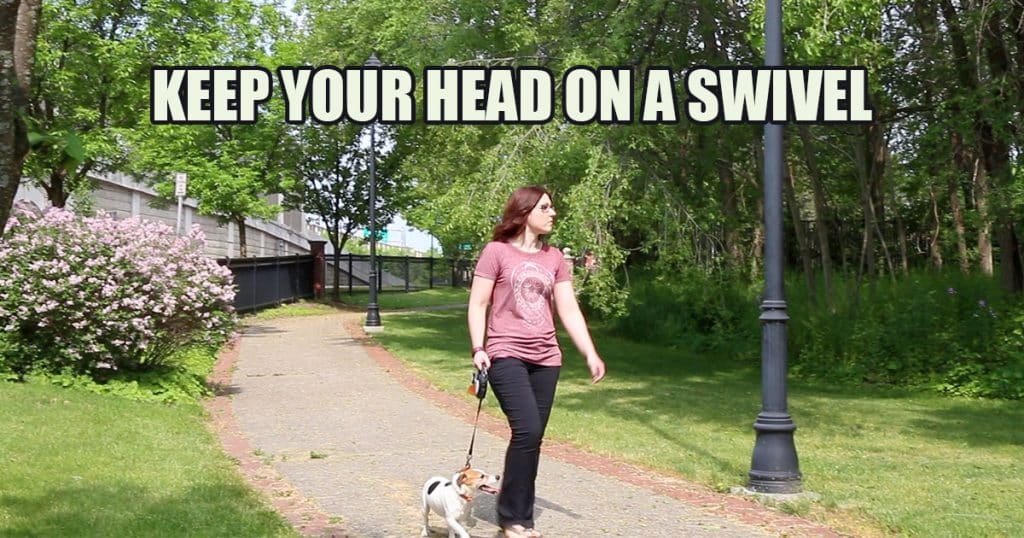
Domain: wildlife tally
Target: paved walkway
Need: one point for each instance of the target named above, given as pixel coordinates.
(342, 436)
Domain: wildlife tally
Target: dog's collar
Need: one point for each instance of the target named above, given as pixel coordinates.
(466, 497)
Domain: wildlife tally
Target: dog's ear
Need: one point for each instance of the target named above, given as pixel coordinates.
(462, 475)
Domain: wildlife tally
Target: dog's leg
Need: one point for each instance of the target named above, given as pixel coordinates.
(426, 519)
(468, 518)
(454, 529)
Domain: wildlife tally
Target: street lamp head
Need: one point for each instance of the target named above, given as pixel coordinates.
(373, 61)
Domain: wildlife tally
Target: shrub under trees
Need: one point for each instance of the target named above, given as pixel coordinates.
(101, 297)
(949, 332)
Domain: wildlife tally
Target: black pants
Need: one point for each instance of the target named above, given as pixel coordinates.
(525, 391)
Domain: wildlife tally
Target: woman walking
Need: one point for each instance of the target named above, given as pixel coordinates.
(519, 276)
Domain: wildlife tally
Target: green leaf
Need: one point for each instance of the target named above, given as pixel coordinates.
(73, 147)
(36, 138)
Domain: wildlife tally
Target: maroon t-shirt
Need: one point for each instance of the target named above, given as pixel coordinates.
(520, 324)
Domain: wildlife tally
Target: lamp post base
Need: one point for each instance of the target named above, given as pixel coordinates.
(373, 316)
(774, 467)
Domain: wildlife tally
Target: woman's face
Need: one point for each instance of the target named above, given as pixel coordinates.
(542, 218)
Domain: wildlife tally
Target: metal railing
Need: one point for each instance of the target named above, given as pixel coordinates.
(399, 272)
(273, 280)
(270, 281)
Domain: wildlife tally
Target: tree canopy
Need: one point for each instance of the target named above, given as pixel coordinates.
(930, 180)
(934, 180)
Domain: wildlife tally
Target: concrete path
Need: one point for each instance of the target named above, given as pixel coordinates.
(356, 435)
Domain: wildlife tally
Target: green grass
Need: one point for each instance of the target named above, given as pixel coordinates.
(387, 301)
(397, 300)
(291, 310)
(884, 461)
(74, 463)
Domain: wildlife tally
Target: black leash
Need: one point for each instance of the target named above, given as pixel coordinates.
(469, 456)
(479, 388)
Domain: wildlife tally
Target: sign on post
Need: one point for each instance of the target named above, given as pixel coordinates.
(180, 180)
(466, 246)
(382, 235)
(179, 190)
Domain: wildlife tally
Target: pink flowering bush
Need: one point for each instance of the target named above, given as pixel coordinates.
(102, 297)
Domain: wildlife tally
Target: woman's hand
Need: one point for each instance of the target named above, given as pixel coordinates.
(481, 360)
(596, 366)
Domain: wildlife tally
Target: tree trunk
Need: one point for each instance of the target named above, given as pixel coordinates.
(933, 245)
(996, 149)
(960, 228)
(984, 218)
(955, 207)
(337, 272)
(333, 234)
(55, 190)
(820, 206)
(243, 248)
(10, 161)
(879, 151)
(25, 42)
(1010, 274)
(901, 239)
(1017, 14)
(844, 253)
(798, 231)
(19, 24)
(730, 214)
(866, 264)
(901, 235)
(757, 242)
(868, 174)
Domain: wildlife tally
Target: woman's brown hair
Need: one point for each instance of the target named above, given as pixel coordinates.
(517, 209)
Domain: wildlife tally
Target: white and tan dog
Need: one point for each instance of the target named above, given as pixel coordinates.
(453, 499)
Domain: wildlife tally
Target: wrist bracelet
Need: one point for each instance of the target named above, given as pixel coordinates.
(475, 350)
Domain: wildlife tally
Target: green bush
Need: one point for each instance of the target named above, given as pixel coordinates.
(692, 310)
(950, 332)
(99, 301)
(956, 333)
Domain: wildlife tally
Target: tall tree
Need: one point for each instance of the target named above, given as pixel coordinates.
(989, 95)
(820, 206)
(232, 168)
(333, 178)
(91, 89)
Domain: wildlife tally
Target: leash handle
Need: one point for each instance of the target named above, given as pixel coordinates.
(478, 386)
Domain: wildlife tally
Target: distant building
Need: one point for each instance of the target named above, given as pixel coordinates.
(122, 196)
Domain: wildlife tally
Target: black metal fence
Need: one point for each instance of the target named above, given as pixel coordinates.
(398, 273)
(271, 280)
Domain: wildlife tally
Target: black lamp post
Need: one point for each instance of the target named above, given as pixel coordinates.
(372, 309)
(774, 467)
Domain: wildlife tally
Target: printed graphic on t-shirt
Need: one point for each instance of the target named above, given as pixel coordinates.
(531, 285)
